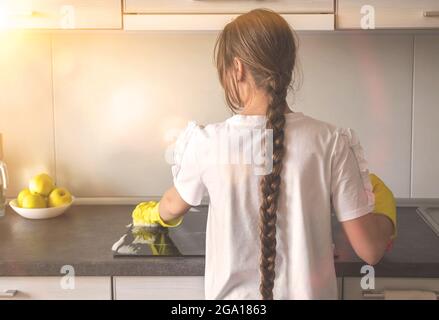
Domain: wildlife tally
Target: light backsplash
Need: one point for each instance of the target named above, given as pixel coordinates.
(118, 98)
(97, 109)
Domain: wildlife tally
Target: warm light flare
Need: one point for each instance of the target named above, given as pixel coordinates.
(4, 18)
(17, 14)
(10, 43)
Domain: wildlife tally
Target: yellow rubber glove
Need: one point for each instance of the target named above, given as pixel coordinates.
(384, 201)
(147, 214)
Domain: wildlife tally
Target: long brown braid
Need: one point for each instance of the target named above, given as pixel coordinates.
(270, 189)
(266, 45)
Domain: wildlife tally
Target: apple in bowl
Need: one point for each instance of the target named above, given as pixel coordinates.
(42, 184)
(59, 197)
(42, 199)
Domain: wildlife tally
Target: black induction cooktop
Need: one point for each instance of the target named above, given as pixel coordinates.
(188, 239)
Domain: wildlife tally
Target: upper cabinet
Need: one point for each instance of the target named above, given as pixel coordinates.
(227, 6)
(214, 14)
(387, 14)
(202, 15)
(61, 14)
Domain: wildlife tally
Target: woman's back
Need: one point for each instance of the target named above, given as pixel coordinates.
(272, 177)
(321, 166)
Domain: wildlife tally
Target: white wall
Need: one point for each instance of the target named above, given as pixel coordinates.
(116, 96)
(26, 109)
(425, 166)
(364, 82)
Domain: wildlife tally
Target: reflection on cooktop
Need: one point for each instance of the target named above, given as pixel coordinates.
(188, 239)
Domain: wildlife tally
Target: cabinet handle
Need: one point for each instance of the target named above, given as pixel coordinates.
(23, 14)
(8, 293)
(373, 295)
(430, 14)
(368, 294)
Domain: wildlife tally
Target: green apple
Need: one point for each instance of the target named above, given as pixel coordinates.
(42, 184)
(23, 193)
(34, 200)
(59, 197)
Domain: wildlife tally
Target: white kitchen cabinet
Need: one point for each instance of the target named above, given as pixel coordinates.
(425, 168)
(189, 15)
(61, 14)
(50, 288)
(158, 288)
(227, 6)
(352, 287)
(388, 13)
(166, 288)
(216, 22)
(340, 288)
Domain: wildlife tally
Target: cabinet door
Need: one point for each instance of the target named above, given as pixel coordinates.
(389, 13)
(363, 82)
(352, 287)
(425, 175)
(158, 288)
(51, 288)
(340, 288)
(227, 6)
(61, 14)
(216, 22)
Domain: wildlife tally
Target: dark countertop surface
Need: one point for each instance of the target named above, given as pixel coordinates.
(83, 237)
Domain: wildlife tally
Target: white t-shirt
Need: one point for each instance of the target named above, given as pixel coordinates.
(323, 169)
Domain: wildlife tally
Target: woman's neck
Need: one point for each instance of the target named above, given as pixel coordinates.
(257, 105)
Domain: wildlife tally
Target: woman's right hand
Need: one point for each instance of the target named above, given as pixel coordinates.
(384, 201)
(371, 235)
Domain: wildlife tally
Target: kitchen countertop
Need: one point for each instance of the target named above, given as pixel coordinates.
(84, 235)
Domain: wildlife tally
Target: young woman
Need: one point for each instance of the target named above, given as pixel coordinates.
(269, 236)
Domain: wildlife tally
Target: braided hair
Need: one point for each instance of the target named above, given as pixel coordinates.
(266, 45)
(270, 189)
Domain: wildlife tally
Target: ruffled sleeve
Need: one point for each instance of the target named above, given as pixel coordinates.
(351, 189)
(186, 170)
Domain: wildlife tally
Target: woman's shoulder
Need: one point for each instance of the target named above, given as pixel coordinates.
(314, 126)
(196, 129)
(198, 133)
(324, 132)
(305, 124)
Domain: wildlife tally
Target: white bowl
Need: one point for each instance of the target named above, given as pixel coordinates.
(40, 213)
